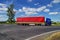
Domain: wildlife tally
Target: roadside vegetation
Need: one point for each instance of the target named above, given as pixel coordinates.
(54, 36)
(48, 36)
(6, 22)
(55, 23)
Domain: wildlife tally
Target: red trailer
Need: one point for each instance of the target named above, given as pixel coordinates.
(30, 20)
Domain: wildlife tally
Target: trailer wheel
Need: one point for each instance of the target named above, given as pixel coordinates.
(26, 24)
(37, 24)
(18, 24)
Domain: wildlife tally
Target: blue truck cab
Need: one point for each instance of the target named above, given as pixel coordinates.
(48, 22)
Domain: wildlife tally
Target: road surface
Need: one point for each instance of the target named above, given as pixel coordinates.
(17, 32)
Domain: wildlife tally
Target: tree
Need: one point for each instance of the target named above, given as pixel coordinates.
(10, 13)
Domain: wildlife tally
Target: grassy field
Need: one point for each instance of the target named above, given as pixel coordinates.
(7, 23)
(56, 24)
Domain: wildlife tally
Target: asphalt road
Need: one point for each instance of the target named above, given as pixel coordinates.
(17, 32)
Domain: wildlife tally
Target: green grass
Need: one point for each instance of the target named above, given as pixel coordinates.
(56, 24)
(7, 23)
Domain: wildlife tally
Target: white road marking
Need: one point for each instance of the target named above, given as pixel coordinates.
(41, 34)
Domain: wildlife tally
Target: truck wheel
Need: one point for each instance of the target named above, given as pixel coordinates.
(37, 24)
(18, 24)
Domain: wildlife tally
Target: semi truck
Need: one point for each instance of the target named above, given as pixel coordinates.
(33, 21)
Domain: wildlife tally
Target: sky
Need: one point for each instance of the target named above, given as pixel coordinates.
(27, 8)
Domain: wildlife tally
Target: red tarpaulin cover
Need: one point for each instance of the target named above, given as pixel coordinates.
(30, 19)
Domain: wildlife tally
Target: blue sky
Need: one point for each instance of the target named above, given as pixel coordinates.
(25, 8)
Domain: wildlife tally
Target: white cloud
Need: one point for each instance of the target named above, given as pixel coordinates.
(36, 4)
(24, 9)
(41, 8)
(47, 10)
(15, 10)
(3, 12)
(49, 5)
(54, 13)
(30, 0)
(3, 5)
(3, 17)
(22, 15)
(30, 11)
(20, 10)
(56, 1)
(3, 9)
